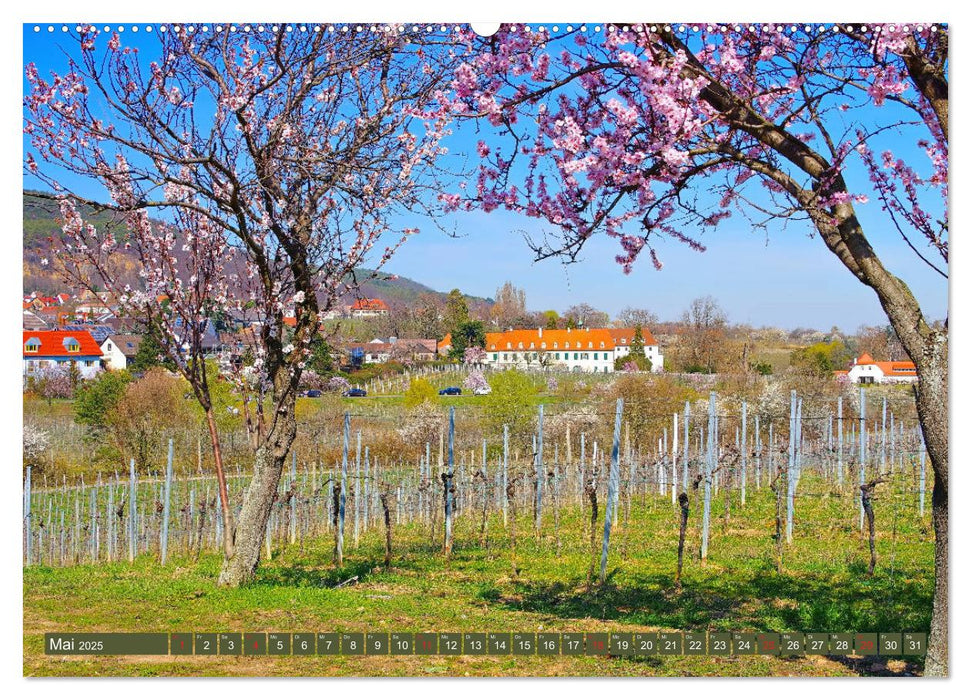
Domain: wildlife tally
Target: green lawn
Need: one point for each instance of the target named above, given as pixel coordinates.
(824, 588)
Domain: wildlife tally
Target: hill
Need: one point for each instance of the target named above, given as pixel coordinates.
(42, 227)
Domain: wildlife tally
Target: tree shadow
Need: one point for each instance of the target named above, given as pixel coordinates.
(754, 601)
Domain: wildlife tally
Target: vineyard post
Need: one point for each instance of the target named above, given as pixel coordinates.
(612, 485)
(27, 517)
(791, 466)
(839, 442)
(674, 459)
(449, 476)
(342, 496)
(923, 460)
(93, 526)
(862, 438)
(744, 449)
(505, 475)
(164, 544)
(757, 442)
(709, 467)
(132, 504)
(539, 473)
(293, 496)
(684, 461)
(357, 490)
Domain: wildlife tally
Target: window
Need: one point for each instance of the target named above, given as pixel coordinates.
(557, 356)
(520, 346)
(32, 345)
(89, 363)
(585, 356)
(542, 346)
(595, 355)
(495, 355)
(71, 344)
(576, 356)
(532, 345)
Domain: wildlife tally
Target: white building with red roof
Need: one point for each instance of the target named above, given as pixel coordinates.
(368, 308)
(573, 349)
(50, 349)
(866, 370)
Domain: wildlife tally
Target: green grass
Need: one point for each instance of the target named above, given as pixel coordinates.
(823, 588)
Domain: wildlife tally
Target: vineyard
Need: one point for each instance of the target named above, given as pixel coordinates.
(828, 529)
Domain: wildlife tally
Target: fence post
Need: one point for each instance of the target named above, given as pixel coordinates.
(611, 489)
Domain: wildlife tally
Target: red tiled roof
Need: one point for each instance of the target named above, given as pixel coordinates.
(445, 342)
(531, 339)
(624, 336)
(369, 305)
(892, 369)
(52, 344)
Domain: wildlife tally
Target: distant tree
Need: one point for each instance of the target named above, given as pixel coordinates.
(585, 316)
(420, 391)
(551, 320)
(36, 441)
(150, 353)
(761, 367)
(510, 306)
(881, 342)
(456, 311)
(148, 409)
(475, 381)
(321, 360)
(702, 336)
(338, 384)
(428, 314)
(54, 383)
(96, 398)
(467, 334)
(819, 359)
(511, 403)
(630, 317)
(474, 355)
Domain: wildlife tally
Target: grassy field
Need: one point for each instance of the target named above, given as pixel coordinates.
(824, 588)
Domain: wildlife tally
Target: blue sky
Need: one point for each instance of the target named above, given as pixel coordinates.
(784, 279)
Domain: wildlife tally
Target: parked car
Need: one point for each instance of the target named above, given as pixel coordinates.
(450, 391)
(314, 393)
(355, 391)
(483, 390)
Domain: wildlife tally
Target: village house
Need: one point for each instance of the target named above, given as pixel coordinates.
(50, 349)
(866, 370)
(378, 350)
(444, 346)
(573, 349)
(368, 308)
(119, 350)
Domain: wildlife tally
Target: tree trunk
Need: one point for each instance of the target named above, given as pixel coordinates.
(268, 466)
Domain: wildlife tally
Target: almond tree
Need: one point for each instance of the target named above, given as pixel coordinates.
(285, 153)
(651, 131)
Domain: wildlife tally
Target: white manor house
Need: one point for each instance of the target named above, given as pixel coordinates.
(572, 349)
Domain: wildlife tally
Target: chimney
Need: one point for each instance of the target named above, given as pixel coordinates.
(540, 329)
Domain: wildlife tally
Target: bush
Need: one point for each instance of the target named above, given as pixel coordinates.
(420, 391)
(96, 398)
